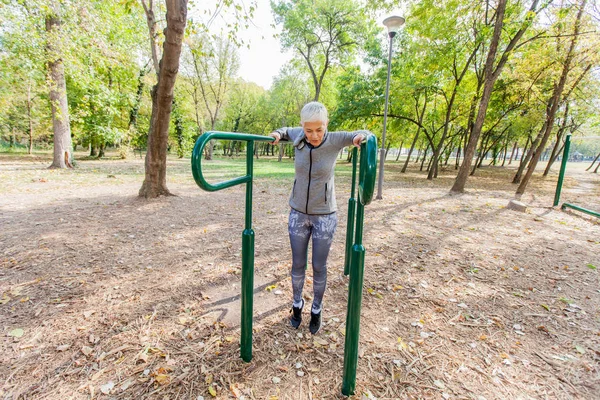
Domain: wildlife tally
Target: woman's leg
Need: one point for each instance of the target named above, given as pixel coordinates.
(322, 234)
(299, 230)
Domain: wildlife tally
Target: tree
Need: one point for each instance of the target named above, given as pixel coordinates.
(155, 181)
(215, 63)
(492, 71)
(555, 100)
(323, 32)
(63, 156)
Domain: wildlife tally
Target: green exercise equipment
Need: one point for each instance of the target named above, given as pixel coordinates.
(355, 251)
(559, 183)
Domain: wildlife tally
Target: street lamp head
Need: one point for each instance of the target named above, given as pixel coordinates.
(393, 24)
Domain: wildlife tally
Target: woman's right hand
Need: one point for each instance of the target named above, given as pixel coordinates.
(275, 135)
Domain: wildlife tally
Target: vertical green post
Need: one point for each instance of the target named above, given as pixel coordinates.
(357, 268)
(563, 167)
(247, 265)
(351, 214)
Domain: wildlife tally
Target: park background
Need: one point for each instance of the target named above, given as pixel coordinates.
(106, 294)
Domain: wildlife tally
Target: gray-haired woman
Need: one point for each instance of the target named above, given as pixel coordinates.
(312, 201)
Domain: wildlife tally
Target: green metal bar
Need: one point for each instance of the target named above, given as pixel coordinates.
(351, 215)
(366, 186)
(563, 167)
(247, 294)
(583, 210)
(247, 235)
(247, 265)
(202, 141)
(357, 268)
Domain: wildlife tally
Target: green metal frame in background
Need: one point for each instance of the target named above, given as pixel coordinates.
(355, 251)
(561, 176)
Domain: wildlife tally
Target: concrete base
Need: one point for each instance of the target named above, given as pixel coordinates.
(517, 206)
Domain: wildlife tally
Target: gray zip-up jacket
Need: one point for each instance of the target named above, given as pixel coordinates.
(314, 187)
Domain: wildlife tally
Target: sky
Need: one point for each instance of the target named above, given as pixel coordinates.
(263, 60)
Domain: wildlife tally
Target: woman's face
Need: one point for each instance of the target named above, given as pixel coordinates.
(314, 131)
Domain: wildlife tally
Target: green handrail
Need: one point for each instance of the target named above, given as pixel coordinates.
(247, 234)
(366, 186)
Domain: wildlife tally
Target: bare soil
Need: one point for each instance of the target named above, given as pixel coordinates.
(106, 295)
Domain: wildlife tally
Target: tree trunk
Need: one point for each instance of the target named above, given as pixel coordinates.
(29, 106)
(593, 162)
(512, 154)
(412, 147)
(155, 182)
(556, 96)
(526, 157)
(133, 113)
(424, 157)
(399, 150)
(101, 149)
(61, 126)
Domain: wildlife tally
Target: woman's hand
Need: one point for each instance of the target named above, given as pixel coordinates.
(358, 139)
(275, 135)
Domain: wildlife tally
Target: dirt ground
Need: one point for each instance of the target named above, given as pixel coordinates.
(105, 295)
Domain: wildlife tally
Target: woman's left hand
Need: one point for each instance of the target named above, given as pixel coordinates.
(358, 140)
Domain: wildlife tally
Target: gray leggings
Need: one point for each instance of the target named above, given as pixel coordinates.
(301, 227)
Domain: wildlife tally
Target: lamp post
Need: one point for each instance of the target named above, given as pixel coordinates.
(393, 25)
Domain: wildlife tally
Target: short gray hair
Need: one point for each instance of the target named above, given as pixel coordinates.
(313, 112)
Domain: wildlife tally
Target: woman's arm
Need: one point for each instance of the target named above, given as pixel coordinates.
(344, 139)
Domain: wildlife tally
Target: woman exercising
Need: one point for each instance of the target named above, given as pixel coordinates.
(312, 202)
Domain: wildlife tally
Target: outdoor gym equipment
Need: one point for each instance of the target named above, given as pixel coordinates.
(561, 175)
(355, 251)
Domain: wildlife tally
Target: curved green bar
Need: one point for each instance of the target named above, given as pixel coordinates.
(368, 170)
(197, 158)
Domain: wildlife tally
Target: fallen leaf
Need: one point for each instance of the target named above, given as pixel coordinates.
(127, 384)
(162, 379)
(235, 391)
(16, 333)
(212, 391)
(86, 350)
(5, 299)
(271, 287)
(208, 379)
(579, 349)
(545, 306)
(106, 388)
(591, 266)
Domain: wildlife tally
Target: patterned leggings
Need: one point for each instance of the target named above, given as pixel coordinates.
(301, 227)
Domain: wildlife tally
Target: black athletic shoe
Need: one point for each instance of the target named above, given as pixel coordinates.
(296, 317)
(315, 322)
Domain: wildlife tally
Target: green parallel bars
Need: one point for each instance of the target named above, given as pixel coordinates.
(583, 210)
(563, 167)
(351, 214)
(248, 234)
(561, 176)
(356, 261)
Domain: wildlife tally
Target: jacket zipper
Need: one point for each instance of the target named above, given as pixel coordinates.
(308, 188)
(325, 193)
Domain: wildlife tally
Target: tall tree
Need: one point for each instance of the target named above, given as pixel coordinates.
(61, 127)
(492, 71)
(215, 62)
(323, 33)
(555, 100)
(155, 181)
